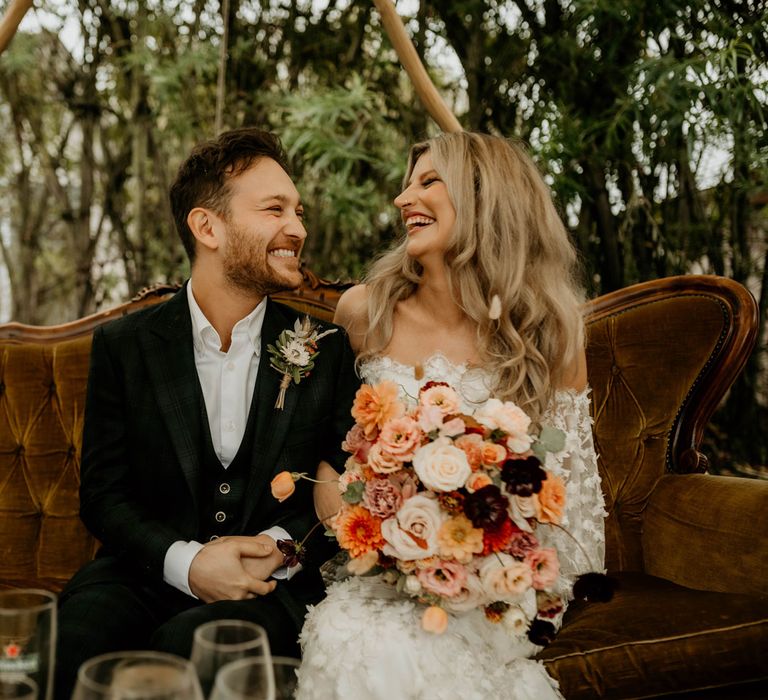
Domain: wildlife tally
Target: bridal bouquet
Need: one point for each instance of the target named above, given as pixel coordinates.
(445, 505)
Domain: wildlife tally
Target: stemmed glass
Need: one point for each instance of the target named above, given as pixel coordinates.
(21, 688)
(219, 642)
(137, 675)
(257, 679)
(27, 640)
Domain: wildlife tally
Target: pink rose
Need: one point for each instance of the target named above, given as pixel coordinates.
(545, 567)
(431, 418)
(356, 444)
(470, 596)
(382, 497)
(441, 396)
(505, 578)
(509, 418)
(400, 437)
(382, 462)
(445, 579)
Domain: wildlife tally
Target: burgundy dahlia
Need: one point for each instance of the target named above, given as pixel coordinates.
(523, 477)
(486, 507)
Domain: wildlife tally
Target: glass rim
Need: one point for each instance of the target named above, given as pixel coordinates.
(179, 661)
(49, 596)
(260, 638)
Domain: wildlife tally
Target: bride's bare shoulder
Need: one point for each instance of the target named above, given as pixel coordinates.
(575, 376)
(352, 313)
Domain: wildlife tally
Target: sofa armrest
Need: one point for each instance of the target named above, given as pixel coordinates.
(708, 532)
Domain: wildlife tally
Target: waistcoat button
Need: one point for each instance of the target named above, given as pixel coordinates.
(224, 488)
(221, 516)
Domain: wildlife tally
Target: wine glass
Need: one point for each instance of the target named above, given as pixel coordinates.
(28, 638)
(19, 688)
(137, 675)
(217, 643)
(257, 679)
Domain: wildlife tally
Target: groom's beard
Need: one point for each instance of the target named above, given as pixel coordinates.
(247, 264)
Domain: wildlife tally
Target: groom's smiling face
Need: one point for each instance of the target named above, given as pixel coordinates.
(263, 232)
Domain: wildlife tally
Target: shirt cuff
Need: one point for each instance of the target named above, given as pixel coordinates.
(176, 565)
(282, 573)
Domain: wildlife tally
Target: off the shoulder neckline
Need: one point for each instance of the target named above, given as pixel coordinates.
(439, 360)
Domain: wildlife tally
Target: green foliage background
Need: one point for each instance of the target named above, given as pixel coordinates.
(649, 120)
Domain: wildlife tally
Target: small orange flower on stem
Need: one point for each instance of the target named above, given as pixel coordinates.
(434, 620)
(283, 485)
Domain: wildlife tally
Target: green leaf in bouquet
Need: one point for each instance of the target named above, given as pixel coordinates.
(354, 492)
(551, 439)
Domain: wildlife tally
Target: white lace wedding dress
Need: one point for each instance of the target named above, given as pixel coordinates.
(365, 642)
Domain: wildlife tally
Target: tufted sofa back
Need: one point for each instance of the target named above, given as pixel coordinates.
(660, 356)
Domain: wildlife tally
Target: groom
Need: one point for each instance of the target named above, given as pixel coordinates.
(182, 436)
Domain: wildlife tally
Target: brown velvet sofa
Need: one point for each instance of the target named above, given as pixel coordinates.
(689, 550)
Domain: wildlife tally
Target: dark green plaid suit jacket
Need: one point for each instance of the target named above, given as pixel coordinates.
(141, 468)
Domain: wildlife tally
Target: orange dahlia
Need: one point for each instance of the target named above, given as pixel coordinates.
(375, 405)
(358, 531)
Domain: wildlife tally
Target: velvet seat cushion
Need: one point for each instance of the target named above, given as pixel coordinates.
(655, 637)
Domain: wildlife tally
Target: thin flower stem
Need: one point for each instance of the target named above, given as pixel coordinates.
(578, 544)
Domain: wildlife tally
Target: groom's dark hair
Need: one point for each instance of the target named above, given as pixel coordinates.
(203, 178)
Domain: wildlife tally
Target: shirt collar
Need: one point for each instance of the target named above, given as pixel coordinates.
(252, 323)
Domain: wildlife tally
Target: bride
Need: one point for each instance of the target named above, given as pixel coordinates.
(481, 293)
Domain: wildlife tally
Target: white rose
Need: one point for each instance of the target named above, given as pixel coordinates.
(472, 596)
(506, 416)
(412, 586)
(412, 532)
(441, 466)
(505, 578)
(515, 621)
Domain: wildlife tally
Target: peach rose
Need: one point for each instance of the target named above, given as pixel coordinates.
(551, 500)
(382, 462)
(440, 466)
(472, 445)
(511, 419)
(434, 620)
(400, 437)
(412, 533)
(505, 578)
(442, 396)
(283, 485)
(431, 418)
(375, 405)
(478, 481)
(544, 566)
(492, 453)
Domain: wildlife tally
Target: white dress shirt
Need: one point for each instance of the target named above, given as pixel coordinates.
(227, 380)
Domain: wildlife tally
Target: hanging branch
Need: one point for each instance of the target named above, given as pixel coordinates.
(11, 20)
(410, 60)
(221, 82)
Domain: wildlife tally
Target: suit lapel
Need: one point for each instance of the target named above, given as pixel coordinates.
(167, 343)
(272, 423)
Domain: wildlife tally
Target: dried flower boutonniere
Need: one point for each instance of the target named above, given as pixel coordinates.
(294, 353)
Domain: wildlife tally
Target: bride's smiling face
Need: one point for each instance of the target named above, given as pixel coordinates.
(427, 210)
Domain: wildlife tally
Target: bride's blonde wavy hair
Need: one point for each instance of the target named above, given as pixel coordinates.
(508, 240)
